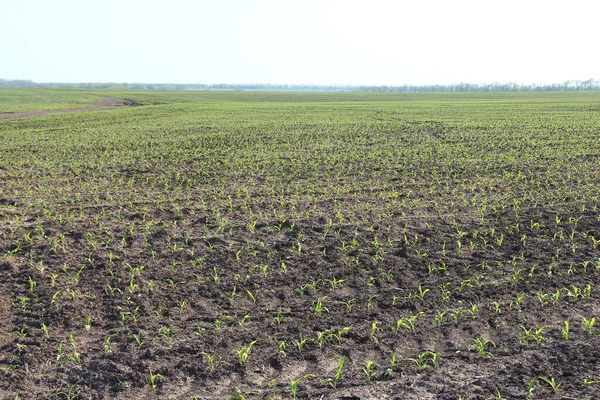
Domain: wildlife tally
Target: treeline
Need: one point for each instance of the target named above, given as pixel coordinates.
(573, 85)
(101, 85)
(180, 86)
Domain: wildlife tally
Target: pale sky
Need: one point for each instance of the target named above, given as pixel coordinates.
(367, 42)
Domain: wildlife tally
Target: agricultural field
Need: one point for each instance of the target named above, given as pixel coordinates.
(230, 245)
(15, 99)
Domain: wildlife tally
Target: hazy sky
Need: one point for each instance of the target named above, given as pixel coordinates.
(368, 42)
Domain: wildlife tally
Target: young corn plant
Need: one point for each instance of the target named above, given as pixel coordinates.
(75, 355)
(252, 296)
(106, 346)
(59, 349)
(70, 394)
(281, 346)
(551, 382)
(565, 331)
(370, 303)
(138, 339)
(45, 330)
(339, 333)
(321, 337)
(589, 325)
(154, 379)
(421, 293)
(369, 367)
(278, 317)
(213, 362)
(243, 320)
(236, 395)
(319, 307)
(532, 386)
(333, 380)
(532, 334)
(424, 360)
(373, 333)
(166, 331)
(243, 352)
(481, 347)
(517, 302)
(588, 382)
(88, 323)
(293, 386)
(301, 342)
(406, 323)
(349, 304)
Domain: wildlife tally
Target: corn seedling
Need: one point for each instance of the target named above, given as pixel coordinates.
(232, 296)
(318, 308)
(59, 348)
(349, 303)
(406, 323)
(88, 323)
(281, 346)
(393, 360)
(532, 334)
(44, 329)
(237, 395)
(335, 282)
(333, 381)
(425, 359)
(588, 382)
(301, 342)
(32, 284)
(212, 362)
(339, 333)
(589, 324)
(368, 368)
(70, 394)
(22, 333)
(551, 382)
(243, 352)
(372, 335)
(166, 331)
(243, 320)
(75, 355)
(565, 331)
(154, 379)
(138, 339)
(421, 293)
(481, 347)
(370, 303)
(55, 297)
(321, 336)
(293, 385)
(252, 296)
(106, 346)
(517, 302)
(278, 317)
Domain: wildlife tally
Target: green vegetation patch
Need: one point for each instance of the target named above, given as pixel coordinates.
(32, 99)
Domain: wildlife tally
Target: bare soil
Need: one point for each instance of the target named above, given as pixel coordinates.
(212, 320)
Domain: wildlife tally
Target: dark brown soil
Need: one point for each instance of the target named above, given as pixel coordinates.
(213, 317)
